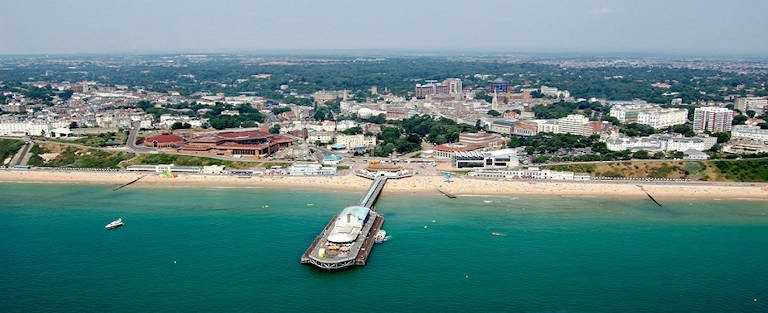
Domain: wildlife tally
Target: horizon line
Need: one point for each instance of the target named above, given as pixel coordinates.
(400, 52)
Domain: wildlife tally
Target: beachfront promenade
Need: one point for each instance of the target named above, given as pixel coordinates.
(427, 184)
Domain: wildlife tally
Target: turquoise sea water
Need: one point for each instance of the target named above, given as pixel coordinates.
(237, 250)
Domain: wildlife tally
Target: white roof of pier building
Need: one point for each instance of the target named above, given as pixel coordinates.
(348, 224)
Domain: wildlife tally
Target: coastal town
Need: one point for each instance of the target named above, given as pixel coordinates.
(391, 156)
(492, 129)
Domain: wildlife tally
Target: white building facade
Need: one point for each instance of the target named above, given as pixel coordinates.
(649, 114)
(750, 133)
(352, 141)
(712, 119)
(21, 129)
(661, 143)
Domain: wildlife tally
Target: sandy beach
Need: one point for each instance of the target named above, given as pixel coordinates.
(461, 186)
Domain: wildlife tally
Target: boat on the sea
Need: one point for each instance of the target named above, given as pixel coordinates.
(381, 236)
(115, 224)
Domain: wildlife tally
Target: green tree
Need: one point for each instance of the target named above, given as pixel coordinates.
(226, 121)
(482, 95)
(384, 150)
(323, 113)
(389, 134)
(684, 129)
(280, 110)
(180, 125)
(352, 131)
(637, 130)
(676, 155)
(275, 129)
(641, 154)
(377, 119)
(723, 137)
(739, 119)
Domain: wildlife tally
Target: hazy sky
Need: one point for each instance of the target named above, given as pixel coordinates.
(670, 26)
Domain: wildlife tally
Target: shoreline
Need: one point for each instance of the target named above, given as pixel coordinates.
(461, 186)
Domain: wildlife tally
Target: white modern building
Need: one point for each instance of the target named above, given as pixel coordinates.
(547, 126)
(753, 133)
(649, 114)
(21, 129)
(662, 142)
(530, 173)
(311, 169)
(554, 92)
(574, 124)
(757, 104)
(353, 141)
(504, 158)
(454, 86)
(712, 119)
(345, 124)
(323, 137)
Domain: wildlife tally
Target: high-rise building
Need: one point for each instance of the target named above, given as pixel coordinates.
(712, 119)
(449, 87)
(495, 105)
(757, 104)
(499, 86)
(454, 86)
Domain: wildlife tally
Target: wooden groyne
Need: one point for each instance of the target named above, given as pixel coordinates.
(649, 195)
(129, 183)
(445, 193)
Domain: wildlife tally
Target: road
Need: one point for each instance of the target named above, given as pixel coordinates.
(638, 161)
(133, 136)
(22, 156)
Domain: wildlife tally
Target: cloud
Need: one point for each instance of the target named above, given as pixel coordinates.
(601, 11)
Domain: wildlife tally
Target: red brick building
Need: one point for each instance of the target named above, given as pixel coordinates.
(163, 141)
(257, 143)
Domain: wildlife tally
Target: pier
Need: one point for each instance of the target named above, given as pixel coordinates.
(373, 192)
(333, 255)
(329, 255)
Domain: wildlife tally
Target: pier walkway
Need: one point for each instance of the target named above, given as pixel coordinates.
(373, 192)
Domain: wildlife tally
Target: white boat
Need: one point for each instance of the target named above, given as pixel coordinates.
(381, 236)
(115, 224)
